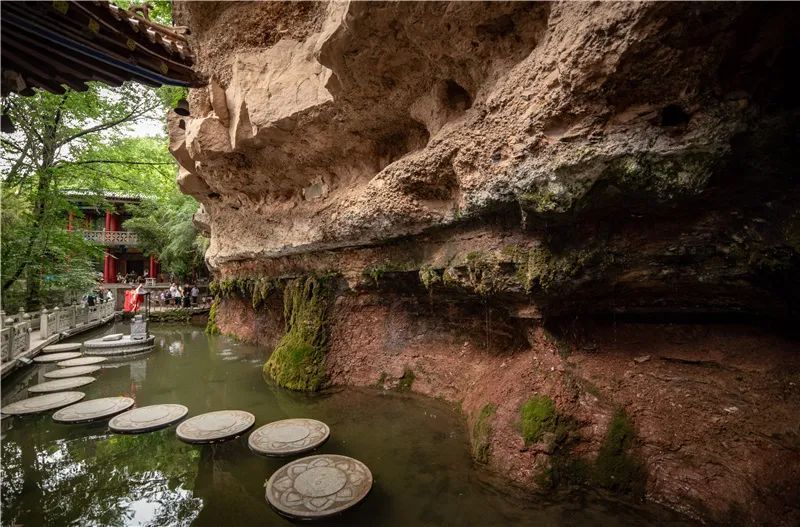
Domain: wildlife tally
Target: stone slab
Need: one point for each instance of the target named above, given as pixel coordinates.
(112, 337)
(55, 357)
(148, 418)
(57, 348)
(42, 403)
(288, 437)
(76, 371)
(318, 486)
(81, 361)
(93, 410)
(59, 385)
(215, 426)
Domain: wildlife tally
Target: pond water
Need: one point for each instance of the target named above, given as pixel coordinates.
(417, 449)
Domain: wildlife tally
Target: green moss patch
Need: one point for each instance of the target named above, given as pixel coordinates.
(537, 416)
(482, 432)
(615, 468)
(406, 381)
(298, 361)
(211, 325)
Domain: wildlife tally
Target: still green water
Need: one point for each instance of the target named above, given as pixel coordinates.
(416, 447)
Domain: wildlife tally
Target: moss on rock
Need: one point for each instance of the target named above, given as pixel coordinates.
(482, 432)
(537, 416)
(211, 325)
(405, 382)
(615, 468)
(298, 361)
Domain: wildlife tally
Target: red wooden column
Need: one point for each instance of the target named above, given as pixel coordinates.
(152, 271)
(108, 220)
(107, 268)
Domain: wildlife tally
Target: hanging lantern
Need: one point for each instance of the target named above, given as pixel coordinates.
(182, 108)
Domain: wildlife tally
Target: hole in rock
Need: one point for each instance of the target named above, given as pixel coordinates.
(213, 195)
(456, 97)
(673, 115)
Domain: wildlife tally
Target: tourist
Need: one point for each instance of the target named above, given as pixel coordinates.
(109, 295)
(178, 295)
(187, 296)
(195, 294)
(162, 298)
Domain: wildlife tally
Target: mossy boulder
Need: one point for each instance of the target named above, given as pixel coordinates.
(298, 361)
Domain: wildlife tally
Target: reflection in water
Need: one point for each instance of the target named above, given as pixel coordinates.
(416, 447)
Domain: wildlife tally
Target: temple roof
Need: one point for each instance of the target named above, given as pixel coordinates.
(49, 45)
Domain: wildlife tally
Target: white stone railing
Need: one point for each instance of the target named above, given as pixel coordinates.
(112, 237)
(16, 329)
(16, 338)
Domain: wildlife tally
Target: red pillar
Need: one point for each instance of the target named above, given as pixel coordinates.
(69, 220)
(108, 220)
(152, 271)
(112, 269)
(114, 223)
(106, 267)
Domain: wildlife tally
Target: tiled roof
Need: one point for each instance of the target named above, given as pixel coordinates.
(59, 43)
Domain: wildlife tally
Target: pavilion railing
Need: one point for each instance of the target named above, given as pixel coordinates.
(112, 237)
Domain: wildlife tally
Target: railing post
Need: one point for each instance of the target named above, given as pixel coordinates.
(43, 325)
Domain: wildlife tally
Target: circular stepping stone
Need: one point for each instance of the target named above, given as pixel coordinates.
(93, 410)
(81, 361)
(318, 486)
(42, 403)
(148, 418)
(113, 336)
(215, 426)
(56, 348)
(77, 371)
(59, 385)
(289, 436)
(55, 357)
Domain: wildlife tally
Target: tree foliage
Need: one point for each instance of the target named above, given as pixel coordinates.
(74, 140)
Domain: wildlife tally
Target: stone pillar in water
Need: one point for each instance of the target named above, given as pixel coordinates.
(139, 328)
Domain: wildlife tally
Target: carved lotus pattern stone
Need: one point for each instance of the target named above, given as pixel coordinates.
(93, 410)
(81, 361)
(148, 418)
(71, 372)
(60, 385)
(215, 426)
(42, 403)
(55, 357)
(289, 436)
(318, 486)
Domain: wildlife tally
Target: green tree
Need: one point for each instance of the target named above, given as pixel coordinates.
(165, 228)
(59, 141)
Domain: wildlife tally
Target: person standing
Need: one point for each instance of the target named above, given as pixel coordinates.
(195, 294)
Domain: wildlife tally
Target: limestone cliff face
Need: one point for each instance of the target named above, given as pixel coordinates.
(656, 139)
(468, 167)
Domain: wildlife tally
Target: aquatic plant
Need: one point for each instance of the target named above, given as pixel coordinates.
(211, 325)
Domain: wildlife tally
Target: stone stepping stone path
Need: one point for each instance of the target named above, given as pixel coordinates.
(57, 348)
(42, 403)
(93, 410)
(318, 486)
(60, 385)
(215, 426)
(56, 357)
(288, 437)
(148, 418)
(76, 371)
(81, 361)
